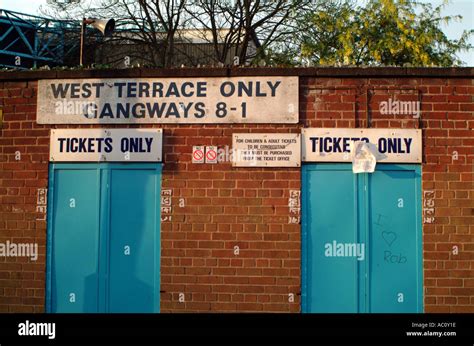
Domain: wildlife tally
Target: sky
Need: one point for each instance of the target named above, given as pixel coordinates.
(453, 30)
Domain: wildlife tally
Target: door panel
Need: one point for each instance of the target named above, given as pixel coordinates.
(132, 240)
(379, 211)
(394, 239)
(104, 238)
(332, 279)
(75, 254)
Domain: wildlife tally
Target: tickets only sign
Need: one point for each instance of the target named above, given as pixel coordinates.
(168, 100)
(106, 145)
(334, 145)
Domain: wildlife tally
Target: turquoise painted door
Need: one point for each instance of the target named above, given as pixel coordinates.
(75, 279)
(394, 214)
(134, 199)
(361, 239)
(340, 275)
(104, 238)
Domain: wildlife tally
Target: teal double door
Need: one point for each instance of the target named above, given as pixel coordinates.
(103, 238)
(361, 239)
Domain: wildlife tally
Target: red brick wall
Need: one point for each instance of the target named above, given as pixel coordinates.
(226, 207)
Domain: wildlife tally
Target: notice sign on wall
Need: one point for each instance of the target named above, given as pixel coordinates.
(168, 100)
(106, 145)
(334, 145)
(266, 150)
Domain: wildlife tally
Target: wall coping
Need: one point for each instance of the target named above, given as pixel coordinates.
(328, 72)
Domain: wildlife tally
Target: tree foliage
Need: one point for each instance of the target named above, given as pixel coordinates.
(235, 24)
(226, 30)
(280, 32)
(148, 26)
(383, 32)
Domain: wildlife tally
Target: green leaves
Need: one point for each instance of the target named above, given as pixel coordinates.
(383, 32)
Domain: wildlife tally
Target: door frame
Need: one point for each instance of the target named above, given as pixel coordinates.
(315, 166)
(99, 166)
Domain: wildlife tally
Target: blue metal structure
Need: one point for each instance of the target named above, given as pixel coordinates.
(343, 211)
(28, 41)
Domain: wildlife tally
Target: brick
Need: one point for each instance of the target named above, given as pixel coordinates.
(227, 206)
(463, 291)
(449, 283)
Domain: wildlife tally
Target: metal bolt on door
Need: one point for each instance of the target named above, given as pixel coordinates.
(361, 239)
(104, 238)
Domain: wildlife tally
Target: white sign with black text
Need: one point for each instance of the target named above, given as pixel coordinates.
(106, 145)
(210, 100)
(334, 145)
(266, 150)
